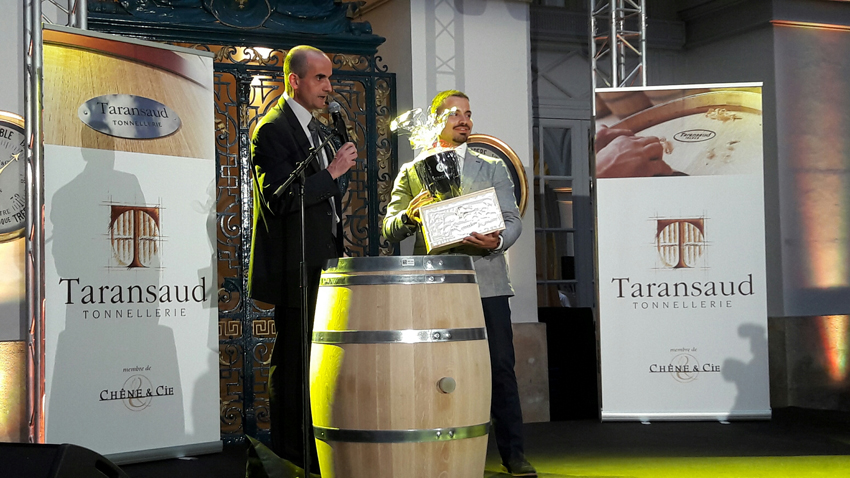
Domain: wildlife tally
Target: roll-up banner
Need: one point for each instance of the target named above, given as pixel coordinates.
(682, 294)
(131, 344)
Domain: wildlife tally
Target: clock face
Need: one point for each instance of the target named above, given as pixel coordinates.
(12, 177)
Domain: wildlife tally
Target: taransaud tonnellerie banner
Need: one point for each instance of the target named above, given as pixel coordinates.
(130, 286)
(682, 292)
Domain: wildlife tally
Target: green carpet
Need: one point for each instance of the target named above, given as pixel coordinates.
(795, 443)
(720, 467)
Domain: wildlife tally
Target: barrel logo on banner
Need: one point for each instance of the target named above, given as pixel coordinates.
(134, 233)
(129, 116)
(680, 242)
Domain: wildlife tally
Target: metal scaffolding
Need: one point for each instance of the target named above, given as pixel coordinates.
(618, 43)
(68, 13)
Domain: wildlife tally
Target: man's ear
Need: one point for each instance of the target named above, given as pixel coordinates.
(292, 79)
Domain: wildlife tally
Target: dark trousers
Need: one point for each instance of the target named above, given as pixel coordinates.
(285, 382)
(505, 408)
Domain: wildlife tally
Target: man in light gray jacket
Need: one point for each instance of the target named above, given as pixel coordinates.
(487, 250)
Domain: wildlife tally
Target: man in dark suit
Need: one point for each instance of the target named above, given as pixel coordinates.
(281, 140)
(478, 172)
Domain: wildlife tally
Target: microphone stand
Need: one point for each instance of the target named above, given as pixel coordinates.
(306, 339)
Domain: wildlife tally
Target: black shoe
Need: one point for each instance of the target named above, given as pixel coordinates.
(520, 467)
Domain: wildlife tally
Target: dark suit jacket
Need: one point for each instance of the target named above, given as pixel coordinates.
(279, 143)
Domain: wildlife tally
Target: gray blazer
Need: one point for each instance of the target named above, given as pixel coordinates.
(479, 172)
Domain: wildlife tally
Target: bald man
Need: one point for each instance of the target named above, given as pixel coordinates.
(281, 140)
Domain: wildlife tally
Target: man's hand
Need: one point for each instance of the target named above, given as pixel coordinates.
(420, 200)
(627, 156)
(343, 160)
(483, 241)
(605, 135)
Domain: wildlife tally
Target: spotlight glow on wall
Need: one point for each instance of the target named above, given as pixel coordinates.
(834, 331)
(814, 152)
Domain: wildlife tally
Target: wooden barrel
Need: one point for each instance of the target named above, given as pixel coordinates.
(400, 369)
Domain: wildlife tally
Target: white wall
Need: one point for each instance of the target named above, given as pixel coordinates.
(481, 47)
(391, 20)
(813, 133)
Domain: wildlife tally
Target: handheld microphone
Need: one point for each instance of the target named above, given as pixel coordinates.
(339, 123)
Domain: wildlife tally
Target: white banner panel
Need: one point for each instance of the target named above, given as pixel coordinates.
(131, 313)
(682, 294)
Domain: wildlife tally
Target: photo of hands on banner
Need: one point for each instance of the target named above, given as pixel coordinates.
(673, 132)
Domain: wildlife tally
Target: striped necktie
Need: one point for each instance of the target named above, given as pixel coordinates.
(317, 136)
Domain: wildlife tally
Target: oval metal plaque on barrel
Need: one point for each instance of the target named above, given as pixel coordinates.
(129, 116)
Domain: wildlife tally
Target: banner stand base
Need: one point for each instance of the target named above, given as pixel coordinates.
(686, 416)
(155, 454)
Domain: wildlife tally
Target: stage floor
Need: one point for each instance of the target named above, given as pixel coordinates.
(795, 443)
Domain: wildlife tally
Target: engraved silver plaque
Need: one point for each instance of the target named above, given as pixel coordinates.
(129, 116)
(446, 223)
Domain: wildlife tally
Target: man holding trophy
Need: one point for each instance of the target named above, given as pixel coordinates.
(474, 172)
